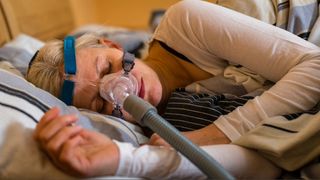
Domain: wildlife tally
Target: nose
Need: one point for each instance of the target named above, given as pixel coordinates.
(116, 87)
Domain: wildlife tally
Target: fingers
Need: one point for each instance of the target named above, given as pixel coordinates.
(54, 126)
(56, 142)
(46, 118)
(156, 140)
(154, 137)
(68, 154)
(56, 146)
(53, 130)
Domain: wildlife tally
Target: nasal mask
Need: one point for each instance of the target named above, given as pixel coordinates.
(113, 87)
(116, 87)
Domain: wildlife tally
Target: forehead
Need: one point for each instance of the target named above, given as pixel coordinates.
(84, 54)
(86, 60)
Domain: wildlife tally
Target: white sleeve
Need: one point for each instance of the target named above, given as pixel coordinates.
(154, 162)
(162, 163)
(209, 34)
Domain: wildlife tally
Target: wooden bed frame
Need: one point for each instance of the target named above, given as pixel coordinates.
(4, 32)
(42, 19)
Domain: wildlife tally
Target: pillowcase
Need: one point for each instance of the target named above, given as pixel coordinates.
(21, 107)
(6, 65)
(133, 41)
(20, 51)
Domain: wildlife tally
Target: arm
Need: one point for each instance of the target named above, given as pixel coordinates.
(209, 34)
(73, 149)
(86, 153)
(208, 135)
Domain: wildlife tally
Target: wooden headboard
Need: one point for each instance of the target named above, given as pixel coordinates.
(42, 19)
(4, 32)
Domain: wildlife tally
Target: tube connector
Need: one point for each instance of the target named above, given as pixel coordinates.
(137, 107)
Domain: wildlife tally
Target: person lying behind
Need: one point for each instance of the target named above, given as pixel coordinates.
(211, 38)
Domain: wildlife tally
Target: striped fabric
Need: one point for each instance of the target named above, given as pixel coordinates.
(190, 111)
(296, 16)
(22, 102)
(275, 138)
(21, 107)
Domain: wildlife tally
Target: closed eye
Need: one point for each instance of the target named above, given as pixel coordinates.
(103, 66)
(99, 104)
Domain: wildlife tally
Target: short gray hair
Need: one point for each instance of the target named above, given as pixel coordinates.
(47, 69)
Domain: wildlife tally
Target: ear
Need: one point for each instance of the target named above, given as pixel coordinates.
(110, 43)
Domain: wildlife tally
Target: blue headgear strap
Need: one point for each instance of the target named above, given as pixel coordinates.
(70, 68)
(127, 62)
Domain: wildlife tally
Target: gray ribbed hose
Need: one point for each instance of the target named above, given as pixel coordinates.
(147, 115)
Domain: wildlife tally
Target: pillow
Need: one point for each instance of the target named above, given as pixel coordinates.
(20, 51)
(21, 107)
(6, 65)
(133, 41)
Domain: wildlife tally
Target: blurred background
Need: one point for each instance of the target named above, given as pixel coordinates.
(125, 13)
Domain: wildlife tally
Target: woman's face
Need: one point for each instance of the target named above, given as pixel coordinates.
(94, 63)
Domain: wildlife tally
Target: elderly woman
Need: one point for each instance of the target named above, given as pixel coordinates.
(194, 41)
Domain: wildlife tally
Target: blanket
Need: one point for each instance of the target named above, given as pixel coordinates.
(290, 144)
(296, 16)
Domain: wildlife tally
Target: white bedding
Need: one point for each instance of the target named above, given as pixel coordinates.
(21, 106)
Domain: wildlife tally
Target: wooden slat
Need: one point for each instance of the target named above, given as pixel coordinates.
(4, 33)
(42, 19)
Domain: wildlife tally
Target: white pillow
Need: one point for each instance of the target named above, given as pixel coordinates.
(21, 107)
(20, 51)
(25, 42)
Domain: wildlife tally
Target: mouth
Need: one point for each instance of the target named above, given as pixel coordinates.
(142, 90)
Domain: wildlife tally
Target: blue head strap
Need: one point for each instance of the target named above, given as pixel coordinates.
(70, 68)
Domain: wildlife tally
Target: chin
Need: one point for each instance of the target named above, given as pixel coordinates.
(154, 102)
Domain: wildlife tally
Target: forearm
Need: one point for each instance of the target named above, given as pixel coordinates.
(208, 135)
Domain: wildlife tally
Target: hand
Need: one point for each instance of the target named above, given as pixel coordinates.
(156, 140)
(77, 151)
(206, 136)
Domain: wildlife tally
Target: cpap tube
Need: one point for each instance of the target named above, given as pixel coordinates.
(147, 115)
(121, 90)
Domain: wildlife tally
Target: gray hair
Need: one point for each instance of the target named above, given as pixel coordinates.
(47, 69)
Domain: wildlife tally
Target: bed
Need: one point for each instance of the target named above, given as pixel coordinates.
(24, 28)
(22, 32)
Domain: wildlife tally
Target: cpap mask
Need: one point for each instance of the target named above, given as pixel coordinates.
(116, 87)
(113, 87)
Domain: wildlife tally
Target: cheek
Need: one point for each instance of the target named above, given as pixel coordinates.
(138, 68)
(81, 100)
(108, 109)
